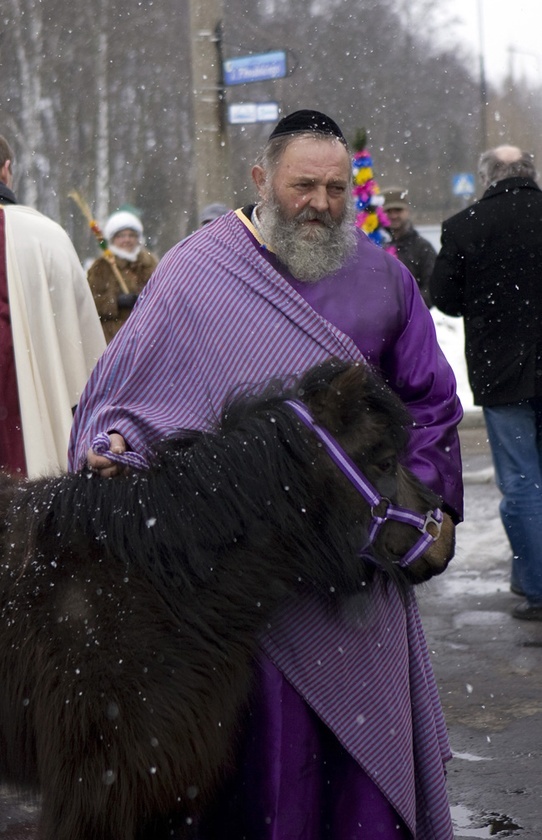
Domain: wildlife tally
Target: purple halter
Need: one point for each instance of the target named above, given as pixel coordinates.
(371, 495)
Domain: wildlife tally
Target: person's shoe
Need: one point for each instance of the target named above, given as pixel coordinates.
(517, 590)
(528, 612)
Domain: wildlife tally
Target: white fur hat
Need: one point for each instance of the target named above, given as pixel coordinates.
(122, 220)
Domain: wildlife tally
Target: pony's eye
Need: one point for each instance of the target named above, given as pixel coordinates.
(387, 466)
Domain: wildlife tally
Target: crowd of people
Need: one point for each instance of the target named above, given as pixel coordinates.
(278, 285)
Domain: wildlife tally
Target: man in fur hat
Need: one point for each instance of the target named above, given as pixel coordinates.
(124, 234)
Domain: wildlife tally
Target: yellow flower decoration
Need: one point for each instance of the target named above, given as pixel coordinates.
(370, 223)
(363, 175)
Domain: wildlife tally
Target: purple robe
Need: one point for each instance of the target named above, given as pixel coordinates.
(216, 314)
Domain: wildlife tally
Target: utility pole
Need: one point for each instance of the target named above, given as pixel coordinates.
(210, 135)
(483, 85)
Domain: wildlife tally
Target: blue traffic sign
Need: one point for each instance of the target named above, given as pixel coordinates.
(463, 184)
(255, 68)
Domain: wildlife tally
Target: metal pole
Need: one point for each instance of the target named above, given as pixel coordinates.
(210, 136)
(483, 86)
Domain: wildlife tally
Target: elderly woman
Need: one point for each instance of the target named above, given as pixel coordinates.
(124, 233)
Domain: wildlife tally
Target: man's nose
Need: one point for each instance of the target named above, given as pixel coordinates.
(319, 199)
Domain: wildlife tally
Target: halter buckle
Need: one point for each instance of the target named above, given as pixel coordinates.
(432, 517)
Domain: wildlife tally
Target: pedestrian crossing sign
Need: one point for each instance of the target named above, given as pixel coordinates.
(463, 184)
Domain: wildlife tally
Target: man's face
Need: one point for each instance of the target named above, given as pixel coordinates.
(312, 175)
(398, 217)
(307, 211)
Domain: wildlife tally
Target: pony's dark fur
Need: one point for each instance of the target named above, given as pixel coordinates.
(131, 608)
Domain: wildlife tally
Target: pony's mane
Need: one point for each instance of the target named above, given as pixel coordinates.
(203, 496)
(207, 493)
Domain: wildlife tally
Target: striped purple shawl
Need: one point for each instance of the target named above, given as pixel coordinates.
(208, 320)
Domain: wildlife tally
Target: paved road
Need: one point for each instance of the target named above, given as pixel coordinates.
(17, 819)
(489, 671)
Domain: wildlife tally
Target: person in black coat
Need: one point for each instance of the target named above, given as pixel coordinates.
(489, 270)
(410, 247)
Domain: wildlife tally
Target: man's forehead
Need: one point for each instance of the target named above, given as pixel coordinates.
(309, 155)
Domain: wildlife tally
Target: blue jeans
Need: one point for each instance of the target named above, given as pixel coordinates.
(515, 437)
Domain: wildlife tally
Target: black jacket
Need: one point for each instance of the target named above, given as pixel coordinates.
(419, 257)
(489, 269)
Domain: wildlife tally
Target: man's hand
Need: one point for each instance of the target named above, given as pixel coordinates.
(101, 463)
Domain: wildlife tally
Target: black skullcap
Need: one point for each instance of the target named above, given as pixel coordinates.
(307, 120)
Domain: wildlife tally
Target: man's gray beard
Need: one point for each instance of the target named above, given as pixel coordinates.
(308, 253)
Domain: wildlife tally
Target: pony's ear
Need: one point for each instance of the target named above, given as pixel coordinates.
(347, 395)
(336, 403)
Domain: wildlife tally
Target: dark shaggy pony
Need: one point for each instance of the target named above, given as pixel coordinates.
(131, 608)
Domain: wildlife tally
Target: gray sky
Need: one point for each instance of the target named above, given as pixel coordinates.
(505, 24)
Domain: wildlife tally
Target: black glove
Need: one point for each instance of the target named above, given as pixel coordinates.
(126, 301)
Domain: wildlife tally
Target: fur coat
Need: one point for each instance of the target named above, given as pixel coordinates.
(106, 289)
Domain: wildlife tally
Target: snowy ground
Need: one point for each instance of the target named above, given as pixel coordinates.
(482, 551)
(450, 336)
(487, 664)
(450, 332)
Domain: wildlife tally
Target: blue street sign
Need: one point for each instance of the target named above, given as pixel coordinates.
(463, 184)
(255, 68)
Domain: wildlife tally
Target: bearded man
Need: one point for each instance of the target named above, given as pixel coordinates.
(345, 736)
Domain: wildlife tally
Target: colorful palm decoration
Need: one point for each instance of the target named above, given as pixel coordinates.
(370, 215)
